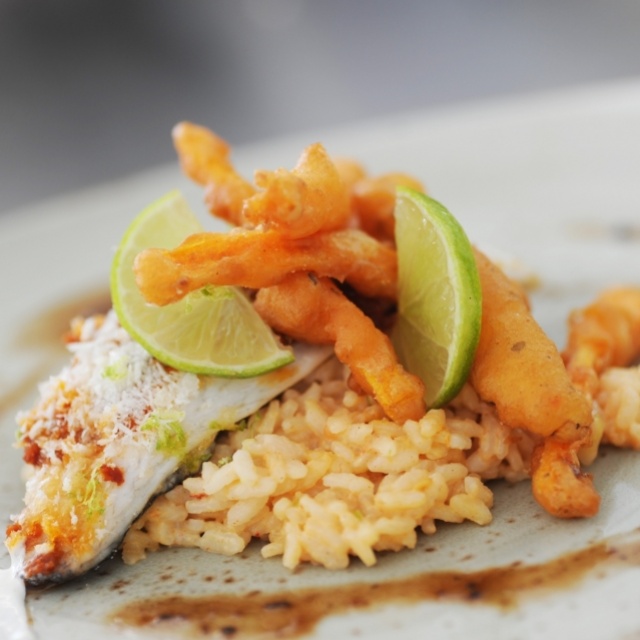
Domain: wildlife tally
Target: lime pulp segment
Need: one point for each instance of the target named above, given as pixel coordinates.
(439, 297)
(214, 331)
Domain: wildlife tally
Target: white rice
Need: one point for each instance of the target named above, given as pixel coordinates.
(321, 475)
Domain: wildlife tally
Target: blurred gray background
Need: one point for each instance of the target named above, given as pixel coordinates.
(89, 89)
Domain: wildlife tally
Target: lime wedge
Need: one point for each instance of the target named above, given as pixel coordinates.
(439, 297)
(214, 331)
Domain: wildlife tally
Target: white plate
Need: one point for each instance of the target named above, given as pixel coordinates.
(554, 181)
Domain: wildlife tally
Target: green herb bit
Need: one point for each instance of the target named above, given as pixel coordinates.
(170, 436)
(194, 460)
(217, 425)
(116, 371)
(94, 494)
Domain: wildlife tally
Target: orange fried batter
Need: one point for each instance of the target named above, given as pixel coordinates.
(205, 158)
(558, 483)
(349, 170)
(517, 366)
(313, 309)
(602, 335)
(373, 202)
(310, 198)
(519, 369)
(256, 259)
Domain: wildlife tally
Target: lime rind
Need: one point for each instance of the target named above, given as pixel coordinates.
(180, 335)
(439, 299)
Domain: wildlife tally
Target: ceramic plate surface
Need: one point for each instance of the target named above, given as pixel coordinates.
(553, 181)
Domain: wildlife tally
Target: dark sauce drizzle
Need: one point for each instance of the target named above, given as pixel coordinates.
(46, 333)
(288, 614)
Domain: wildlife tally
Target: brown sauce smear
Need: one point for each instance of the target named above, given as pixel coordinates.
(45, 332)
(290, 614)
(48, 328)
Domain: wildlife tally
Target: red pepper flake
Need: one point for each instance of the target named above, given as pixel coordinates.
(44, 564)
(112, 474)
(33, 534)
(32, 453)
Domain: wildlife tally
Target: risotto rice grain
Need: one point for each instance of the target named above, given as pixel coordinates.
(321, 476)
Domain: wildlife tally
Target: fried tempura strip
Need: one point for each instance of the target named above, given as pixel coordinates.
(256, 259)
(517, 366)
(373, 202)
(349, 170)
(557, 482)
(313, 309)
(519, 369)
(205, 158)
(310, 198)
(602, 335)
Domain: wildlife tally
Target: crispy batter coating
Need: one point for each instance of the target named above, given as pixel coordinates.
(314, 309)
(517, 366)
(520, 370)
(557, 482)
(310, 198)
(373, 201)
(256, 259)
(205, 158)
(602, 335)
(349, 170)
(318, 194)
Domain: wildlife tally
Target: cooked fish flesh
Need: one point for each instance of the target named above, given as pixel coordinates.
(111, 431)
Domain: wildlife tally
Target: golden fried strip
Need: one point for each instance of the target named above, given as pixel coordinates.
(349, 170)
(518, 367)
(373, 201)
(313, 309)
(256, 259)
(557, 482)
(205, 158)
(310, 198)
(602, 335)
